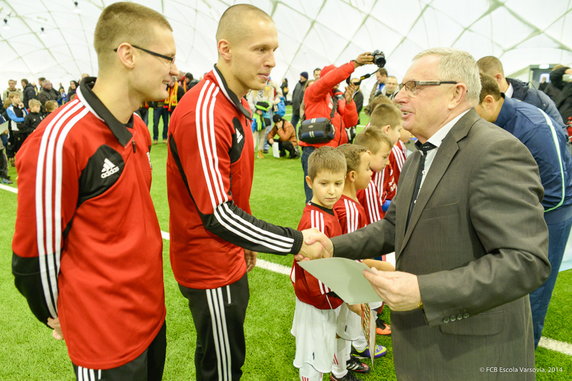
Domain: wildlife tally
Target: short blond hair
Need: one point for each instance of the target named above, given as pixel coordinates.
(51, 106)
(352, 153)
(372, 138)
(34, 102)
(386, 114)
(236, 18)
(490, 65)
(326, 159)
(125, 22)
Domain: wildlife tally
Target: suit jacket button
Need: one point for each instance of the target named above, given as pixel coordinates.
(466, 315)
(445, 320)
(452, 318)
(459, 316)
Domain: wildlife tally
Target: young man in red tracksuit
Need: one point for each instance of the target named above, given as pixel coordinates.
(214, 238)
(319, 101)
(87, 246)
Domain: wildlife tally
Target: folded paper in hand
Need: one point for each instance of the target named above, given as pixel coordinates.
(344, 277)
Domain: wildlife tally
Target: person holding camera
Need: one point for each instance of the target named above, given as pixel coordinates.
(287, 136)
(319, 102)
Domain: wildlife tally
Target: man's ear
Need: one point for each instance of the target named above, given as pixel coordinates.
(125, 54)
(224, 49)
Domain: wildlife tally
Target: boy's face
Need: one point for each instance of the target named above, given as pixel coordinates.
(363, 174)
(15, 100)
(327, 188)
(35, 108)
(380, 159)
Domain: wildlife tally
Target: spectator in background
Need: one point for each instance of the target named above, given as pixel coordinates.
(40, 84)
(319, 101)
(16, 113)
(285, 90)
(188, 82)
(391, 87)
(160, 112)
(72, 89)
(358, 96)
(4, 178)
(298, 98)
(29, 92)
(63, 96)
(377, 89)
(32, 120)
(546, 142)
(561, 79)
(47, 94)
(513, 88)
(317, 73)
(11, 90)
(287, 136)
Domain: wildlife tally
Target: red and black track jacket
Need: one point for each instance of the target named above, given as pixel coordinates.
(308, 288)
(209, 177)
(87, 246)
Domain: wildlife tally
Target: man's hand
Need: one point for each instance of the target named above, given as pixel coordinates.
(250, 258)
(316, 245)
(363, 59)
(57, 329)
(270, 141)
(399, 290)
(349, 92)
(356, 308)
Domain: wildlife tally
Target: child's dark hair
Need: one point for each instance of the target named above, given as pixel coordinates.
(326, 159)
(352, 153)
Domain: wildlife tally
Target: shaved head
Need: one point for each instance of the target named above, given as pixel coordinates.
(235, 21)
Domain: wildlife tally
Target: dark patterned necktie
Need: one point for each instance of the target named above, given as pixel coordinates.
(423, 148)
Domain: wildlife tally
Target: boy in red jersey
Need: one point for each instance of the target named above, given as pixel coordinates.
(87, 246)
(379, 147)
(317, 308)
(352, 216)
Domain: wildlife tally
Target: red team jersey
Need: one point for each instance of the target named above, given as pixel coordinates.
(370, 198)
(351, 214)
(87, 246)
(392, 171)
(308, 289)
(209, 178)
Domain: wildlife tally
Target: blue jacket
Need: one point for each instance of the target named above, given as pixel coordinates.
(535, 97)
(548, 145)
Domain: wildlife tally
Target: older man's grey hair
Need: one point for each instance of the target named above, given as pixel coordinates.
(460, 66)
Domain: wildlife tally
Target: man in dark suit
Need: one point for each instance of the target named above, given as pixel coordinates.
(471, 245)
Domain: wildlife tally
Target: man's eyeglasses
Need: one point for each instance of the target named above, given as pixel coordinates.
(170, 59)
(414, 86)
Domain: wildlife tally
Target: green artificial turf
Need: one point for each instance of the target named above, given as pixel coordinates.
(29, 353)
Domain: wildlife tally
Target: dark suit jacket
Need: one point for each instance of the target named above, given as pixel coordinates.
(478, 242)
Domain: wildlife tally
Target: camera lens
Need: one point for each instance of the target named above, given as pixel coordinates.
(378, 58)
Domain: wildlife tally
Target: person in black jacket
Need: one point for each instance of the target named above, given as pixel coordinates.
(562, 83)
(298, 97)
(32, 120)
(29, 92)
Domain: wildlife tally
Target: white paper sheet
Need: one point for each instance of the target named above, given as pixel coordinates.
(344, 276)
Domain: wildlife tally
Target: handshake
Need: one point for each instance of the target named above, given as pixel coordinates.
(316, 245)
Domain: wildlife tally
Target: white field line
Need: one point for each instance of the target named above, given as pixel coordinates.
(553, 345)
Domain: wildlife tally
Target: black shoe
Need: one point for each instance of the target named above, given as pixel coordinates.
(355, 365)
(348, 377)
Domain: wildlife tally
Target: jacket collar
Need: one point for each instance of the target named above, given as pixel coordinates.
(232, 97)
(92, 102)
